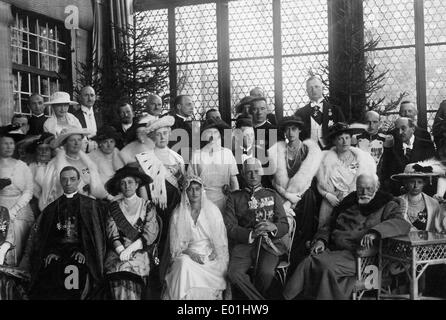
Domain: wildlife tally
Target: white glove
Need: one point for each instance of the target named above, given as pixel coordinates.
(332, 199)
(3, 250)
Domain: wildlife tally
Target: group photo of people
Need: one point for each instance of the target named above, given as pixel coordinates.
(261, 209)
(222, 150)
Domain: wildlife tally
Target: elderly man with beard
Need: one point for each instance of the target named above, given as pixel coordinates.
(359, 221)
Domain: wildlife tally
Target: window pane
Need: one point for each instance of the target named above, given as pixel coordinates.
(390, 21)
(304, 26)
(201, 82)
(196, 33)
(250, 28)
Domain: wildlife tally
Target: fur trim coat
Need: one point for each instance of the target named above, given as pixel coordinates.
(51, 187)
(301, 181)
(331, 161)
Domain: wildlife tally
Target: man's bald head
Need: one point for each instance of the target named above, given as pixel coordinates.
(405, 128)
(372, 121)
(87, 97)
(154, 105)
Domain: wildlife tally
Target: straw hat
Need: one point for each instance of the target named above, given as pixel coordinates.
(60, 97)
(67, 133)
(166, 121)
(423, 169)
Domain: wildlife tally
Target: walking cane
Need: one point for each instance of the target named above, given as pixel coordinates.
(258, 246)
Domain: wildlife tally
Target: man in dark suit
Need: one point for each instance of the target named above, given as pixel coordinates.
(126, 125)
(38, 117)
(182, 111)
(319, 114)
(410, 145)
(266, 134)
(255, 222)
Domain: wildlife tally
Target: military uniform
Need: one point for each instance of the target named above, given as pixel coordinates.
(373, 144)
(244, 210)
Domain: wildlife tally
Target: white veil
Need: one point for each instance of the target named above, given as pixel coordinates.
(210, 219)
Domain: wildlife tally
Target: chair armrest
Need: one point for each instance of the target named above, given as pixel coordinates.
(362, 252)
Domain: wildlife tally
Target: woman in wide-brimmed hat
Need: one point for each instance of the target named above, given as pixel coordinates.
(71, 154)
(421, 210)
(107, 155)
(214, 164)
(340, 167)
(293, 164)
(60, 102)
(167, 169)
(131, 227)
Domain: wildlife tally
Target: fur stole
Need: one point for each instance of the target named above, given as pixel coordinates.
(331, 160)
(51, 188)
(301, 181)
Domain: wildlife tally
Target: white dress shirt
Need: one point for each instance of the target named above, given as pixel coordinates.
(316, 128)
(409, 145)
(90, 120)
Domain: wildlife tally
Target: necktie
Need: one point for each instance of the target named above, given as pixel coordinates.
(316, 114)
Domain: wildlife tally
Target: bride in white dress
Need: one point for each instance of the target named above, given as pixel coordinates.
(198, 247)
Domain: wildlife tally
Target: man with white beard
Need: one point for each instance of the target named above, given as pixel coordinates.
(362, 218)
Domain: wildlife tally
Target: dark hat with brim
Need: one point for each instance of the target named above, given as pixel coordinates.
(218, 124)
(44, 139)
(246, 101)
(342, 127)
(244, 122)
(107, 132)
(112, 185)
(424, 169)
(292, 121)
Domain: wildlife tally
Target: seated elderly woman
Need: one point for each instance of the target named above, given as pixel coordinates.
(166, 168)
(340, 167)
(359, 221)
(131, 227)
(198, 247)
(422, 211)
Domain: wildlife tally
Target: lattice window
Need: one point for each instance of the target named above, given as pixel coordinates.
(158, 20)
(40, 55)
(392, 23)
(304, 47)
(196, 43)
(435, 39)
(251, 48)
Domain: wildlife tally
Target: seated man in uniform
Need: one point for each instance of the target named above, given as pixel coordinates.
(358, 222)
(68, 245)
(256, 222)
